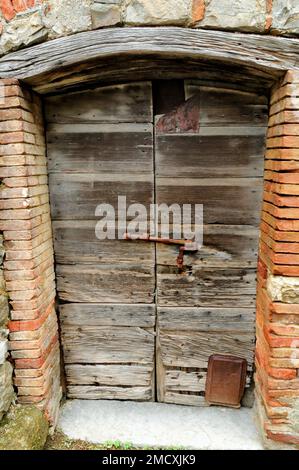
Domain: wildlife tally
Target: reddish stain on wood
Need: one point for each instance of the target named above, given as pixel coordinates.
(184, 118)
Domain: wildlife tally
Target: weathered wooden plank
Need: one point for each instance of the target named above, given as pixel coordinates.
(206, 287)
(198, 156)
(92, 392)
(118, 103)
(184, 399)
(120, 150)
(75, 315)
(181, 381)
(76, 196)
(230, 201)
(193, 349)
(270, 54)
(224, 246)
(111, 375)
(178, 380)
(76, 240)
(126, 69)
(100, 345)
(106, 283)
(229, 107)
(224, 319)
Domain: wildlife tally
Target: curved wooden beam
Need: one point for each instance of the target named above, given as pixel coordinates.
(46, 62)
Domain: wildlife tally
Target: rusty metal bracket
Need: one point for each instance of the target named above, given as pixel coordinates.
(185, 245)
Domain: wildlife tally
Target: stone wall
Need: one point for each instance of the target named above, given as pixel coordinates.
(27, 22)
(6, 388)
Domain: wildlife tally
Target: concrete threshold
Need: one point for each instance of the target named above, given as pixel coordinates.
(160, 425)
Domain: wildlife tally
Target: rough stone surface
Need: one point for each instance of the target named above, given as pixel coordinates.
(26, 29)
(283, 289)
(285, 16)
(242, 15)
(24, 428)
(157, 12)
(159, 424)
(64, 17)
(6, 388)
(105, 13)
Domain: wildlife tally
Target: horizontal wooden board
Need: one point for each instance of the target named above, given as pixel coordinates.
(197, 156)
(76, 240)
(117, 103)
(113, 148)
(230, 201)
(100, 345)
(75, 315)
(110, 375)
(223, 246)
(184, 399)
(206, 287)
(76, 196)
(193, 349)
(224, 319)
(229, 107)
(93, 392)
(181, 381)
(106, 283)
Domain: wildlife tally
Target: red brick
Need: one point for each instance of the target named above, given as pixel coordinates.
(7, 9)
(286, 438)
(30, 325)
(287, 178)
(287, 90)
(198, 10)
(288, 103)
(284, 117)
(38, 362)
(287, 189)
(288, 238)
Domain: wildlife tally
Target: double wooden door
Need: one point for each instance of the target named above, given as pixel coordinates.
(133, 325)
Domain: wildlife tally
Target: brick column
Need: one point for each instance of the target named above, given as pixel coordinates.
(277, 351)
(29, 266)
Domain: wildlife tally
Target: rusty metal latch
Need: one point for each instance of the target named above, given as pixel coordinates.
(185, 245)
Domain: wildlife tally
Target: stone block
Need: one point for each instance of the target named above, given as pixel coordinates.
(105, 13)
(241, 15)
(3, 350)
(6, 388)
(64, 17)
(283, 289)
(157, 12)
(285, 17)
(25, 29)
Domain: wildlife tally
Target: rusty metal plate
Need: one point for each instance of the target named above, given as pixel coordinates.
(225, 380)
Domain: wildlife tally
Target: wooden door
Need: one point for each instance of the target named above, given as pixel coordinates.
(209, 151)
(132, 325)
(100, 145)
